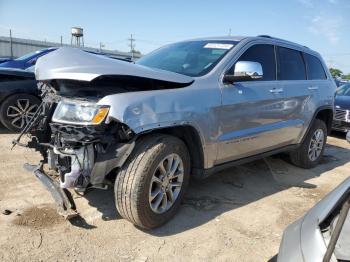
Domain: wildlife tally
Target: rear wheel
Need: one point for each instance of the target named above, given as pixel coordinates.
(17, 110)
(152, 183)
(309, 154)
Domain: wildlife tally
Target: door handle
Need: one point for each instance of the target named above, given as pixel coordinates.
(313, 88)
(276, 90)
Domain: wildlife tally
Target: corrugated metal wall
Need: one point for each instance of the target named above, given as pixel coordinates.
(24, 46)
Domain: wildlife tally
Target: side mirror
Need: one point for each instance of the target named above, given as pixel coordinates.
(348, 136)
(245, 71)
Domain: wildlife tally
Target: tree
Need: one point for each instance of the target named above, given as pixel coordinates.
(336, 72)
(346, 77)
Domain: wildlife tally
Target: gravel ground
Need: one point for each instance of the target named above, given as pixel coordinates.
(237, 215)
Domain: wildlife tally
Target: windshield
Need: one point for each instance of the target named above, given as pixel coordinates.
(343, 90)
(33, 54)
(193, 58)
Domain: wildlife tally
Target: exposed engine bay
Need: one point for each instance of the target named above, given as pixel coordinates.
(82, 155)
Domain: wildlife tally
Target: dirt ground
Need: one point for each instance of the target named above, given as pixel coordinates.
(237, 215)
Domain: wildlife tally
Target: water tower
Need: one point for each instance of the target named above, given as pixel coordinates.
(77, 38)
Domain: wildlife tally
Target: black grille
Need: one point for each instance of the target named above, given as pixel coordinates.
(342, 115)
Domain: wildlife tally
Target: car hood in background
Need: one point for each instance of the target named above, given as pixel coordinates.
(342, 102)
(75, 64)
(13, 64)
(16, 72)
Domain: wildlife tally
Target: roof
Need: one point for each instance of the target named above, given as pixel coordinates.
(265, 37)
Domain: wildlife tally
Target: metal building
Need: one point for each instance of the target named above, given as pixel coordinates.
(16, 47)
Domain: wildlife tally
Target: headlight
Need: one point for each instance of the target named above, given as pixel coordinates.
(80, 113)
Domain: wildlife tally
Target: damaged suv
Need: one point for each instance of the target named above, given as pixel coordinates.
(186, 110)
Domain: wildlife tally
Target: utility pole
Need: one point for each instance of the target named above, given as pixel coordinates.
(101, 45)
(229, 32)
(132, 46)
(11, 49)
(61, 41)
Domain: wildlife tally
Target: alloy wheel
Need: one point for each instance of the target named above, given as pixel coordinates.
(21, 112)
(166, 183)
(316, 145)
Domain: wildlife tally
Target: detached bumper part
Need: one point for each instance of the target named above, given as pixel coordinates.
(66, 206)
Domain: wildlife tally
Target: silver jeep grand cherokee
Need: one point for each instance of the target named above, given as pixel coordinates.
(185, 110)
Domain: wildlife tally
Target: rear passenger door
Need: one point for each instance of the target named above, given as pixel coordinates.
(292, 78)
(317, 78)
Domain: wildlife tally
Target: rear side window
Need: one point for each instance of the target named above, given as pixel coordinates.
(290, 64)
(263, 54)
(314, 67)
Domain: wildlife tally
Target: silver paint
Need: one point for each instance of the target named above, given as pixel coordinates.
(74, 63)
(303, 241)
(232, 121)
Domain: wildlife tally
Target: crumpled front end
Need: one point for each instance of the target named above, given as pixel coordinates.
(80, 128)
(79, 149)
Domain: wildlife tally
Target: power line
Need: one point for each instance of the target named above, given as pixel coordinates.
(132, 46)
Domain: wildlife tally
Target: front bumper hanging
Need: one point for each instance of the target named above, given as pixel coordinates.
(62, 197)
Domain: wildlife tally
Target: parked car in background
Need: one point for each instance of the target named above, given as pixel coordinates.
(338, 81)
(341, 118)
(4, 59)
(19, 98)
(27, 60)
(187, 109)
(323, 233)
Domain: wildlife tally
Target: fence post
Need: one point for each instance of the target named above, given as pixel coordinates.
(11, 50)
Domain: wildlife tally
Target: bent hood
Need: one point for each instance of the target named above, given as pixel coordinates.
(75, 64)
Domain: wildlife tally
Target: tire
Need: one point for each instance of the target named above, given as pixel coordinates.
(16, 110)
(300, 157)
(138, 181)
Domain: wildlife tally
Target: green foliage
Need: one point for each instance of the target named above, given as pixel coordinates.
(336, 72)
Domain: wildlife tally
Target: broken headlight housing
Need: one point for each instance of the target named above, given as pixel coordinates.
(79, 113)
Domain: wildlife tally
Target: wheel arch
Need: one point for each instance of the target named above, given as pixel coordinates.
(192, 139)
(324, 113)
(16, 93)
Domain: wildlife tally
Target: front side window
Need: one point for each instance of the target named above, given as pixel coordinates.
(291, 64)
(315, 69)
(192, 58)
(263, 54)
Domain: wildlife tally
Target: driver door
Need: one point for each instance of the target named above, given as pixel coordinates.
(251, 115)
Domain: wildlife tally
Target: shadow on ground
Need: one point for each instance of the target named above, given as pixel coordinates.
(4, 131)
(231, 189)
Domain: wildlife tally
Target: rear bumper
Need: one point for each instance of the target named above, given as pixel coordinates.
(62, 197)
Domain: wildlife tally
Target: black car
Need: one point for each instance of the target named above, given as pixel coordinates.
(19, 97)
(341, 119)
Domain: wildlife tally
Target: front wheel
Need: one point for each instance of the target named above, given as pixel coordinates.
(150, 186)
(310, 153)
(17, 110)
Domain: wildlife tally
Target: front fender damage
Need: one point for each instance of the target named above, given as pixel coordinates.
(79, 157)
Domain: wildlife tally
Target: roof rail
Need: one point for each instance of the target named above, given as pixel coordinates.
(266, 36)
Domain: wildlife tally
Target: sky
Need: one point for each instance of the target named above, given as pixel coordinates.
(323, 25)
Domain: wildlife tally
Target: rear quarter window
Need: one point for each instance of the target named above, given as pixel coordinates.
(315, 70)
(291, 65)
